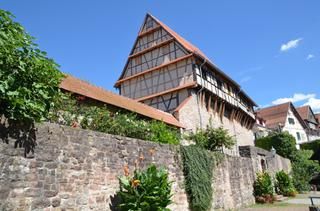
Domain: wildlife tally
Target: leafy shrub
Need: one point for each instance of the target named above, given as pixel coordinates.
(212, 138)
(283, 142)
(263, 188)
(303, 169)
(284, 184)
(160, 132)
(99, 118)
(147, 190)
(198, 166)
(28, 79)
(314, 145)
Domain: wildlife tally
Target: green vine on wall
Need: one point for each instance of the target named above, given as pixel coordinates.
(198, 167)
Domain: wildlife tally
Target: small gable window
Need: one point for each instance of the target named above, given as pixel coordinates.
(291, 121)
(298, 136)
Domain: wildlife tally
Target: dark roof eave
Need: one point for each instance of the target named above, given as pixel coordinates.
(226, 76)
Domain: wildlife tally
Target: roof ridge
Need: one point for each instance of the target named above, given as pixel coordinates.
(105, 90)
(273, 106)
(152, 109)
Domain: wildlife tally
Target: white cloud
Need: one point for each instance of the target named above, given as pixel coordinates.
(245, 79)
(314, 103)
(310, 56)
(295, 98)
(289, 45)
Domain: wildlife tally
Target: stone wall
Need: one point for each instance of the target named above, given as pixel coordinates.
(77, 169)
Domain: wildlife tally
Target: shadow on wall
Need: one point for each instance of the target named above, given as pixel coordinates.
(23, 134)
(114, 202)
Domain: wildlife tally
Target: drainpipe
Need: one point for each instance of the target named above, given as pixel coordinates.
(202, 87)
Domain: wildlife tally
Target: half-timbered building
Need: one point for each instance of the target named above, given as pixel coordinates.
(167, 72)
(310, 119)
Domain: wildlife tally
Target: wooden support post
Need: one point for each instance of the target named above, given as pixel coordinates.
(232, 114)
(209, 103)
(216, 105)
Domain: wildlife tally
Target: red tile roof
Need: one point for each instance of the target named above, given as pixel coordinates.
(277, 115)
(318, 118)
(74, 85)
(304, 112)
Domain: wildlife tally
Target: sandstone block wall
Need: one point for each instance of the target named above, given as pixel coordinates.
(78, 169)
(193, 115)
(74, 169)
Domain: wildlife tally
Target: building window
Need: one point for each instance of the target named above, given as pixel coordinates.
(227, 112)
(298, 136)
(219, 84)
(204, 75)
(291, 121)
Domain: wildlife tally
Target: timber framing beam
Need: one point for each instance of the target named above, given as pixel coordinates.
(152, 69)
(149, 31)
(151, 48)
(192, 84)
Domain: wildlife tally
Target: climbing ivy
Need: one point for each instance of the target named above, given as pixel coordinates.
(198, 165)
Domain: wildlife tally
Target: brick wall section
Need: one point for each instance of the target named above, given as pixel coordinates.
(75, 169)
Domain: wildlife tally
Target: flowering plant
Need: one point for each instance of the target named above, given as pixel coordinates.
(146, 190)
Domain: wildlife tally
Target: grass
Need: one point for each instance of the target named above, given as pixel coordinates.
(277, 204)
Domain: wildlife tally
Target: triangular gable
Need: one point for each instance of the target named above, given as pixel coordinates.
(307, 114)
(295, 112)
(312, 116)
(149, 25)
(278, 114)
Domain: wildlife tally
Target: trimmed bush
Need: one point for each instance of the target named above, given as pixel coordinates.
(263, 188)
(284, 184)
(147, 190)
(284, 143)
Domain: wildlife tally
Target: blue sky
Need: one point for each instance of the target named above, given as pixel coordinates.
(271, 48)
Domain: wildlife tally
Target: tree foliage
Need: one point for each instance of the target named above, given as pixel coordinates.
(283, 143)
(212, 138)
(314, 145)
(28, 78)
(303, 169)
